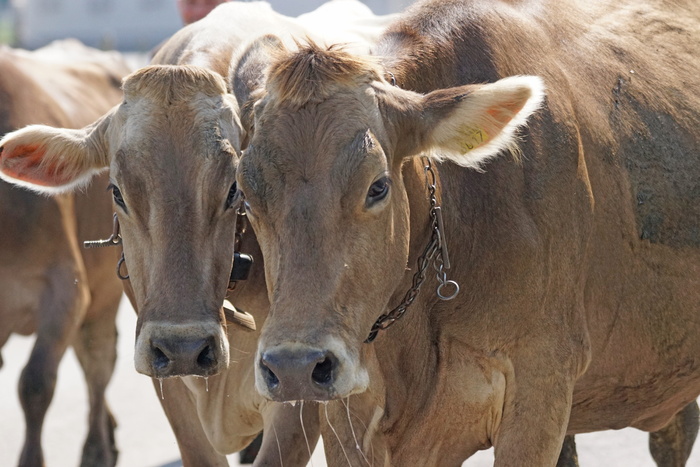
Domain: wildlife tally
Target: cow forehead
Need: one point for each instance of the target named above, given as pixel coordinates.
(172, 145)
(329, 138)
(184, 109)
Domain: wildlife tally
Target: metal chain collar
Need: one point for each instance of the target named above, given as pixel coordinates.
(113, 240)
(435, 253)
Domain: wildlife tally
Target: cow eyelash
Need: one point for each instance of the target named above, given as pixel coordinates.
(117, 195)
(378, 190)
(233, 195)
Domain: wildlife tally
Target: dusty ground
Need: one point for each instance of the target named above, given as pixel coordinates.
(144, 437)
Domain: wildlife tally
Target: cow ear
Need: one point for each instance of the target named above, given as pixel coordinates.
(248, 74)
(470, 124)
(53, 160)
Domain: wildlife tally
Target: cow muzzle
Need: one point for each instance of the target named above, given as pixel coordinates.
(164, 349)
(297, 372)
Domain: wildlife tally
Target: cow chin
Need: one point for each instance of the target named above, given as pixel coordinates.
(297, 372)
(165, 349)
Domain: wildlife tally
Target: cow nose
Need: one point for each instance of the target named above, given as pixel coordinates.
(165, 349)
(298, 374)
(182, 356)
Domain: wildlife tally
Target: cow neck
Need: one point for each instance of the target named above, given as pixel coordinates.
(434, 253)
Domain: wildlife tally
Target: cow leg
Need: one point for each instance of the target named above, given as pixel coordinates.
(671, 445)
(61, 308)
(285, 443)
(535, 416)
(96, 349)
(179, 406)
(568, 457)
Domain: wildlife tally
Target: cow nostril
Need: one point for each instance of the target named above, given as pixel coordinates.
(271, 378)
(206, 358)
(323, 372)
(160, 360)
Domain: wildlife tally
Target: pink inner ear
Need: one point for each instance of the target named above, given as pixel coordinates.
(24, 163)
(504, 112)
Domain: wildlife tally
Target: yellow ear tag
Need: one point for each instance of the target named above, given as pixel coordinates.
(473, 137)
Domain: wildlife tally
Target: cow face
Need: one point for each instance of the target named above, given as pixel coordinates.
(171, 151)
(324, 192)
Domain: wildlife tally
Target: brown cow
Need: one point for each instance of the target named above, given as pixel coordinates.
(50, 285)
(172, 147)
(212, 43)
(579, 263)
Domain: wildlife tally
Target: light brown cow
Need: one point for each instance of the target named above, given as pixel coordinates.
(49, 285)
(579, 262)
(212, 44)
(172, 148)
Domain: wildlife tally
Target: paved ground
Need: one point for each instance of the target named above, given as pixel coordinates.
(145, 439)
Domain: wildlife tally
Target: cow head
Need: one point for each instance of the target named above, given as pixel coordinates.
(324, 192)
(171, 149)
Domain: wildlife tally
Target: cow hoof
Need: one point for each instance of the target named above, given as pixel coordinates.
(100, 448)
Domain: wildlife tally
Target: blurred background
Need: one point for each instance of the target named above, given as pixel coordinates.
(126, 25)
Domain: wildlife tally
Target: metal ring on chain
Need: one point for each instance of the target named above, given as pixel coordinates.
(443, 285)
(119, 268)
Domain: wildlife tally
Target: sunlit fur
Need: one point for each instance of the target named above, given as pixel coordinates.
(60, 151)
(314, 73)
(170, 83)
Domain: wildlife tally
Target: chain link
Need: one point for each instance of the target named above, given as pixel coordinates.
(435, 253)
(113, 240)
(240, 229)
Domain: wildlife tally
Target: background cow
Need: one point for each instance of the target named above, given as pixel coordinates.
(579, 264)
(50, 285)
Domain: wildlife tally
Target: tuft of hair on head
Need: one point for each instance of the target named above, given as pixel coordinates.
(173, 83)
(314, 73)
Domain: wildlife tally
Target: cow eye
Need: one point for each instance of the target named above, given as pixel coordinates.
(378, 190)
(117, 195)
(233, 196)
